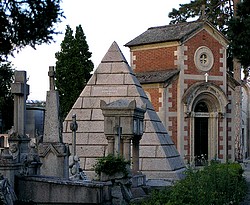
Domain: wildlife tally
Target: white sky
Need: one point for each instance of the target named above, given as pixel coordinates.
(103, 22)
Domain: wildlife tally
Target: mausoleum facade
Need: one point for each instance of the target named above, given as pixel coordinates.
(183, 70)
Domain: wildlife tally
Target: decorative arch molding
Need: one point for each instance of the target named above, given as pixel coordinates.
(210, 93)
(216, 101)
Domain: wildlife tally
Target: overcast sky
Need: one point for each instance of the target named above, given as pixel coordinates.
(103, 22)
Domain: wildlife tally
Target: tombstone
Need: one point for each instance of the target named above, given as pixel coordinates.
(18, 140)
(52, 151)
(18, 159)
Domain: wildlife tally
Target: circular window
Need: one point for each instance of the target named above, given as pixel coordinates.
(204, 58)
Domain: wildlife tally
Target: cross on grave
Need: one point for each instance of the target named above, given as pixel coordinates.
(20, 90)
(51, 75)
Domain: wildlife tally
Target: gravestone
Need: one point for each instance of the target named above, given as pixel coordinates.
(19, 158)
(18, 140)
(52, 151)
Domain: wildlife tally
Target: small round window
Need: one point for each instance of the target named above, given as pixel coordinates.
(203, 58)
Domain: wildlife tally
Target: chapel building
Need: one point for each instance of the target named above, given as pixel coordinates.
(183, 70)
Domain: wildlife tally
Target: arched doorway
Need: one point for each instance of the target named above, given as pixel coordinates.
(204, 108)
(201, 133)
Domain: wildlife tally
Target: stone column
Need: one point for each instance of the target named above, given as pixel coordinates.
(135, 154)
(111, 143)
(18, 141)
(126, 147)
(51, 121)
(117, 140)
(73, 127)
(20, 90)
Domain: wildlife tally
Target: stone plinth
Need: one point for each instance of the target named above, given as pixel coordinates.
(9, 168)
(54, 158)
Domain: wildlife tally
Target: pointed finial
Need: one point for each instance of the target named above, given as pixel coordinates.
(203, 12)
(51, 75)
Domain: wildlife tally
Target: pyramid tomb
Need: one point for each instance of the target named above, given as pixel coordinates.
(114, 80)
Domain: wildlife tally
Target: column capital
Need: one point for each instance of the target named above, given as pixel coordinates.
(127, 137)
(110, 137)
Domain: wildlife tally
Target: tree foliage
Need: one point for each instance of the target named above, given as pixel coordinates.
(27, 22)
(239, 33)
(73, 67)
(217, 183)
(22, 23)
(222, 15)
(218, 12)
(6, 99)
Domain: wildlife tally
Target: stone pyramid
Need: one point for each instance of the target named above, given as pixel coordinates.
(113, 80)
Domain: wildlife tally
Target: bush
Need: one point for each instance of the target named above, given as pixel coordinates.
(216, 184)
(111, 165)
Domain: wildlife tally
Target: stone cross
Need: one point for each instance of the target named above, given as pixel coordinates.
(20, 90)
(73, 127)
(51, 75)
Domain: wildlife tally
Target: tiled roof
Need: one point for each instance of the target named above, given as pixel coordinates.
(156, 76)
(174, 32)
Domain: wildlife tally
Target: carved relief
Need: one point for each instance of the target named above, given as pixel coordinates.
(204, 88)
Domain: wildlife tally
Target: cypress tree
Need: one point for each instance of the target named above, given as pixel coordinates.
(73, 68)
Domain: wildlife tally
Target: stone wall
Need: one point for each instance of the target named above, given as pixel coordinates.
(45, 190)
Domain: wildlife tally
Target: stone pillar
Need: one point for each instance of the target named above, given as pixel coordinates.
(18, 158)
(118, 140)
(111, 143)
(237, 111)
(135, 152)
(127, 147)
(51, 120)
(52, 151)
(18, 141)
(74, 127)
(20, 90)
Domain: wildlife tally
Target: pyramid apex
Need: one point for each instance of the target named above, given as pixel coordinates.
(114, 54)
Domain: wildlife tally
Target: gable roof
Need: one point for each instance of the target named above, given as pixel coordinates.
(167, 33)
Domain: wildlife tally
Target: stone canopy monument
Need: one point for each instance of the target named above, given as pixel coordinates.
(123, 125)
